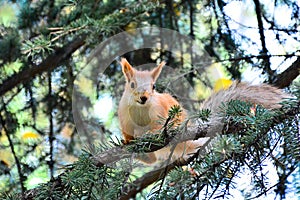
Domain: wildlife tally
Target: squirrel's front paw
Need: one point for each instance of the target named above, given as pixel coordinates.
(125, 141)
(126, 138)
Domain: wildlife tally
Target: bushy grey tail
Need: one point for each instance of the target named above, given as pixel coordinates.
(265, 95)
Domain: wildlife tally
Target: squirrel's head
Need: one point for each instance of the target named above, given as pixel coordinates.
(140, 84)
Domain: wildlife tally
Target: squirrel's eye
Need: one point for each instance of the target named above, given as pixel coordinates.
(132, 84)
(153, 86)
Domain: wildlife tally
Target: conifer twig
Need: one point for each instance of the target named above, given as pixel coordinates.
(50, 63)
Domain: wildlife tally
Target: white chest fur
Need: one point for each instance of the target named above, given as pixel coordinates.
(141, 118)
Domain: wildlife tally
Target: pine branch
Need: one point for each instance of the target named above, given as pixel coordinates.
(50, 63)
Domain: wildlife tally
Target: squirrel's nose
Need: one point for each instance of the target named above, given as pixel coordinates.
(143, 99)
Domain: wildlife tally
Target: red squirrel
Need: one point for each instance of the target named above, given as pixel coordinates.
(141, 108)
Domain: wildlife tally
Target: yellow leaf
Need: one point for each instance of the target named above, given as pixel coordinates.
(222, 84)
(30, 135)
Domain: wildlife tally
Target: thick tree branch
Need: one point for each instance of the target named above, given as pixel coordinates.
(281, 80)
(285, 78)
(149, 178)
(50, 63)
(120, 152)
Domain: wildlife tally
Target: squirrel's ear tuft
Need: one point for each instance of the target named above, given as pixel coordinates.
(127, 69)
(156, 71)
